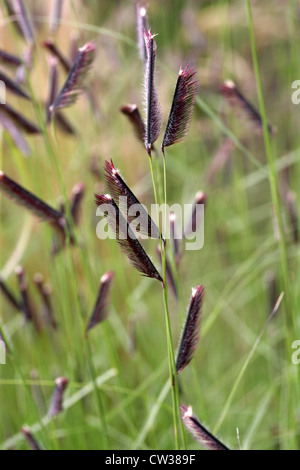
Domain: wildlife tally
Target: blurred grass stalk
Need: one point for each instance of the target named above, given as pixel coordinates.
(289, 440)
(273, 176)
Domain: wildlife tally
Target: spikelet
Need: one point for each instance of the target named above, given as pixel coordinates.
(197, 214)
(153, 111)
(9, 295)
(191, 332)
(75, 82)
(182, 108)
(119, 189)
(24, 21)
(56, 406)
(243, 108)
(26, 199)
(64, 124)
(198, 431)
(19, 120)
(133, 114)
(220, 159)
(175, 241)
(45, 292)
(32, 442)
(13, 86)
(55, 15)
(10, 59)
(169, 274)
(26, 302)
(77, 196)
(100, 311)
(15, 134)
(55, 52)
(128, 242)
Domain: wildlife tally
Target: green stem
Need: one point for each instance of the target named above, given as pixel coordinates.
(172, 354)
(273, 176)
(172, 370)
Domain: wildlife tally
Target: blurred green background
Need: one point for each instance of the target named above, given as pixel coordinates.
(239, 262)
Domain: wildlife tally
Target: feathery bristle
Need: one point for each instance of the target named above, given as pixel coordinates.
(128, 242)
(53, 49)
(199, 432)
(13, 86)
(24, 21)
(75, 82)
(21, 122)
(55, 15)
(142, 26)
(242, 107)
(10, 59)
(153, 111)
(100, 311)
(191, 332)
(119, 189)
(182, 108)
(26, 199)
(134, 116)
(56, 406)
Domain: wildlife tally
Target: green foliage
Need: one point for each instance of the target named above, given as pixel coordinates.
(119, 395)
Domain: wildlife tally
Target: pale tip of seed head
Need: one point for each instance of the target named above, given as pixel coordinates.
(132, 107)
(78, 188)
(200, 197)
(38, 279)
(143, 12)
(47, 290)
(61, 382)
(1, 175)
(19, 271)
(187, 412)
(107, 277)
(172, 217)
(230, 84)
(25, 430)
(194, 292)
(89, 47)
(52, 61)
